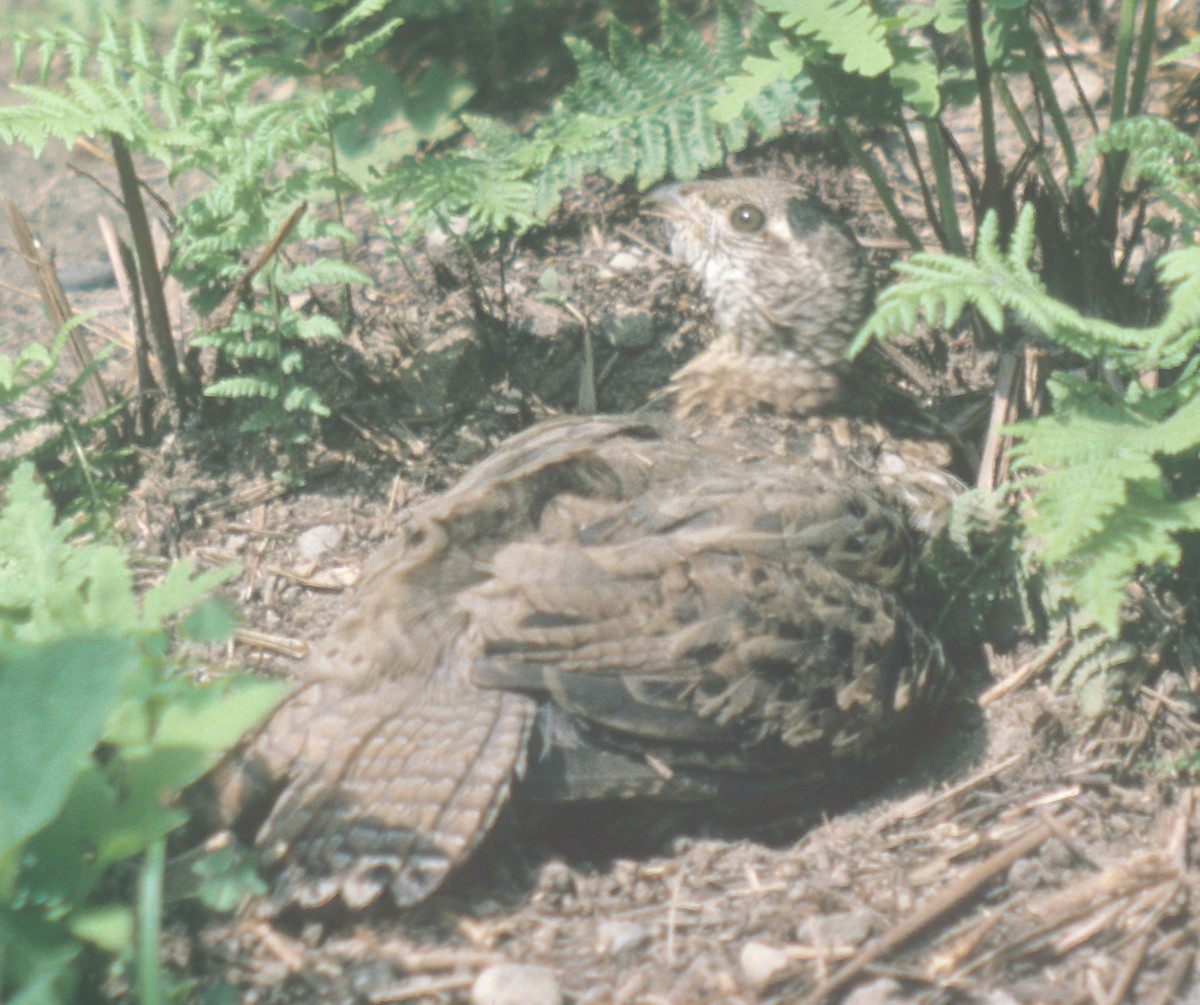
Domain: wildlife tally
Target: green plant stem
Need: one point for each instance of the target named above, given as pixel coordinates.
(1145, 52)
(882, 189)
(993, 182)
(149, 923)
(335, 172)
(914, 158)
(948, 208)
(1121, 62)
(1043, 85)
(1056, 41)
(1114, 164)
(1031, 143)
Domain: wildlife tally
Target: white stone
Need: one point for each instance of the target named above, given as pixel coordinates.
(615, 937)
(317, 540)
(516, 984)
(760, 963)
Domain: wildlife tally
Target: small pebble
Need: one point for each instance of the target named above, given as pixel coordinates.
(624, 261)
(317, 540)
(839, 928)
(516, 984)
(544, 320)
(615, 937)
(884, 991)
(760, 963)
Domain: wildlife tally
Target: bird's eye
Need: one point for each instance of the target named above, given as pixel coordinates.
(746, 218)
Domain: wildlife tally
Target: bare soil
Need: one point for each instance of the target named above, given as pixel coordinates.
(1024, 855)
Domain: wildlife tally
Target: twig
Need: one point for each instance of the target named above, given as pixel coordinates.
(1173, 980)
(1022, 674)
(1137, 954)
(125, 269)
(309, 582)
(942, 903)
(955, 790)
(220, 317)
(295, 648)
(423, 989)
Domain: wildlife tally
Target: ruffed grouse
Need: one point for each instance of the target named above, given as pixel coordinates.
(633, 605)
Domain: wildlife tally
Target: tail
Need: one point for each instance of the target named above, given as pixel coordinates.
(388, 786)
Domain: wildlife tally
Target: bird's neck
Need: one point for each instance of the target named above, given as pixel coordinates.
(724, 379)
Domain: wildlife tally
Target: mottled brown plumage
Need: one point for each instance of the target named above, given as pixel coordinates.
(651, 605)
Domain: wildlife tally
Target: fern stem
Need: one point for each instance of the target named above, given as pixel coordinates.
(152, 285)
(945, 187)
(1114, 164)
(1043, 86)
(914, 157)
(149, 923)
(336, 174)
(882, 189)
(1145, 50)
(993, 182)
(1032, 143)
(1121, 63)
(1056, 40)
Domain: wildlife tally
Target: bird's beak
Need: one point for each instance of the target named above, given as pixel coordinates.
(668, 203)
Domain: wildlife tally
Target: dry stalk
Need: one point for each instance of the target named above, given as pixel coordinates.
(224, 312)
(125, 269)
(1023, 673)
(151, 278)
(54, 299)
(297, 649)
(993, 465)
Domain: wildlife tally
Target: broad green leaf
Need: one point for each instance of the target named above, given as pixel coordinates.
(55, 699)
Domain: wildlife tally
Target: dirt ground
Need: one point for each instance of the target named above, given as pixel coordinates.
(1025, 855)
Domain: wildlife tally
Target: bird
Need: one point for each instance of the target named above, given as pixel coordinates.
(676, 603)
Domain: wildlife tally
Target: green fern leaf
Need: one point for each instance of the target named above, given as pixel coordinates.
(847, 28)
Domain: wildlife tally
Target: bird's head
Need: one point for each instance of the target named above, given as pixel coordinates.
(788, 282)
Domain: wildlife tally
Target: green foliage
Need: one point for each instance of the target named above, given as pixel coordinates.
(193, 107)
(847, 29)
(861, 64)
(995, 282)
(1106, 501)
(84, 467)
(1163, 157)
(100, 726)
(635, 111)
(974, 576)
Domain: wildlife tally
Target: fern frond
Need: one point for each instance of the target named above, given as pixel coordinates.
(1101, 506)
(634, 111)
(938, 286)
(849, 29)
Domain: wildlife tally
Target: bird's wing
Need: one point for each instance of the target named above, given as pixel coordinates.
(386, 764)
(747, 616)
